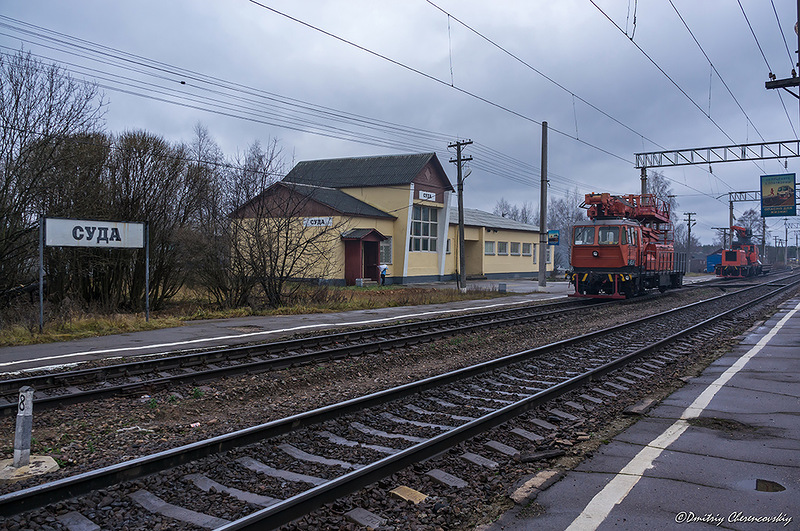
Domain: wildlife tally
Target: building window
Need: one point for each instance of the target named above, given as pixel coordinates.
(386, 251)
(515, 248)
(549, 254)
(448, 246)
(502, 248)
(424, 228)
(488, 248)
(535, 254)
(526, 249)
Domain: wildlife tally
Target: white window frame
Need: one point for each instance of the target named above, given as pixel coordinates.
(513, 252)
(529, 246)
(500, 245)
(488, 248)
(424, 235)
(385, 247)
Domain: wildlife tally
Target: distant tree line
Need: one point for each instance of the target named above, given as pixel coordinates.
(56, 161)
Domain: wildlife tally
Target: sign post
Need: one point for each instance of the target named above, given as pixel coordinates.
(55, 232)
(24, 428)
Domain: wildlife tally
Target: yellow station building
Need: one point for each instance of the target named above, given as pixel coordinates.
(399, 210)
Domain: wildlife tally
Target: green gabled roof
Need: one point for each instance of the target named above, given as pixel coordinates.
(357, 172)
(339, 201)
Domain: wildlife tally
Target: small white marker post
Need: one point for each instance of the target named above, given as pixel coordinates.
(22, 437)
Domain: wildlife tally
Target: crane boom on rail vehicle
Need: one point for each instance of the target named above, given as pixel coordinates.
(626, 249)
(741, 260)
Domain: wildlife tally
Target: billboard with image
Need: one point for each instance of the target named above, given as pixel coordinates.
(778, 195)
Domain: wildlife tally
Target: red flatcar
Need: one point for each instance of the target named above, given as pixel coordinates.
(626, 249)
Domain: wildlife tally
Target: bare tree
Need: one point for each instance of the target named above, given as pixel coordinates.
(660, 186)
(523, 214)
(41, 108)
(563, 214)
(271, 240)
(213, 265)
(148, 181)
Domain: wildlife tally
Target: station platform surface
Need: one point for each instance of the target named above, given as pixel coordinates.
(238, 331)
(721, 452)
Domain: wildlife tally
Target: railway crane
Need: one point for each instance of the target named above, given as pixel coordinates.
(741, 260)
(626, 249)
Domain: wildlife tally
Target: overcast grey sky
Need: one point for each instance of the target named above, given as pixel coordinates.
(412, 78)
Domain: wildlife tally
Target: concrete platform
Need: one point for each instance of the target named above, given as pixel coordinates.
(723, 451)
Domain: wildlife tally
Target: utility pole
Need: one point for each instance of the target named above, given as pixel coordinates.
(786, 241)
(730, 215)
(462, 263)
(643, 178)
(794, 81)
(543, 246)
(796, 248)
(689, 224)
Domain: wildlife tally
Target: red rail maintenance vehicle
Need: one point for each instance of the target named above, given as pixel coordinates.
(741, 260)
(626, 249)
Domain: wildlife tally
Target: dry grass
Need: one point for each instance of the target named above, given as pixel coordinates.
(19, 323)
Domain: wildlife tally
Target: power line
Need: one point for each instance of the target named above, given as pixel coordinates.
(539, 72)
(714, 68)
(660, 69)
(181, 95)
(786, 44)
(766, 61)
(435, 79)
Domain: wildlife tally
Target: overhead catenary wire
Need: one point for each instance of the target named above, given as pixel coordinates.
(438, 80)
(766, 61)
(714, 69)
(517, 170)
(189, 80)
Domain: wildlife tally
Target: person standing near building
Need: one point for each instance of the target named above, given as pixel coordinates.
(383, 268)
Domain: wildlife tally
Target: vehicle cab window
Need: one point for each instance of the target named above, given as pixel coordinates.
(584, 236)
(608, 236)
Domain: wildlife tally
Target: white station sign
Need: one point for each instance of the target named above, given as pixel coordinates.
(83, 233)
(317, 222)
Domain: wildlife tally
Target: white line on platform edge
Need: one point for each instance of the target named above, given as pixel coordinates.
(254, 334)
(618, 488)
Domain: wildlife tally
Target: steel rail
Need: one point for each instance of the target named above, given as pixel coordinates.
(62, 489)
(297, 506)
(493, 319)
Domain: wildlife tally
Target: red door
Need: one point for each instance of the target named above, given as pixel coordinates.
(371, 260)
(352, 261)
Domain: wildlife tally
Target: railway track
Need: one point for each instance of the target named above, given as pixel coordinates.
(60, 388)
(312, 458)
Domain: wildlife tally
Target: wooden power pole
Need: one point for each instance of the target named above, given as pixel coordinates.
(462, 263)
(543, 247)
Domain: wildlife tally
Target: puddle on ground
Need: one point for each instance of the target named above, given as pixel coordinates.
(246, 328)
(765, 485)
